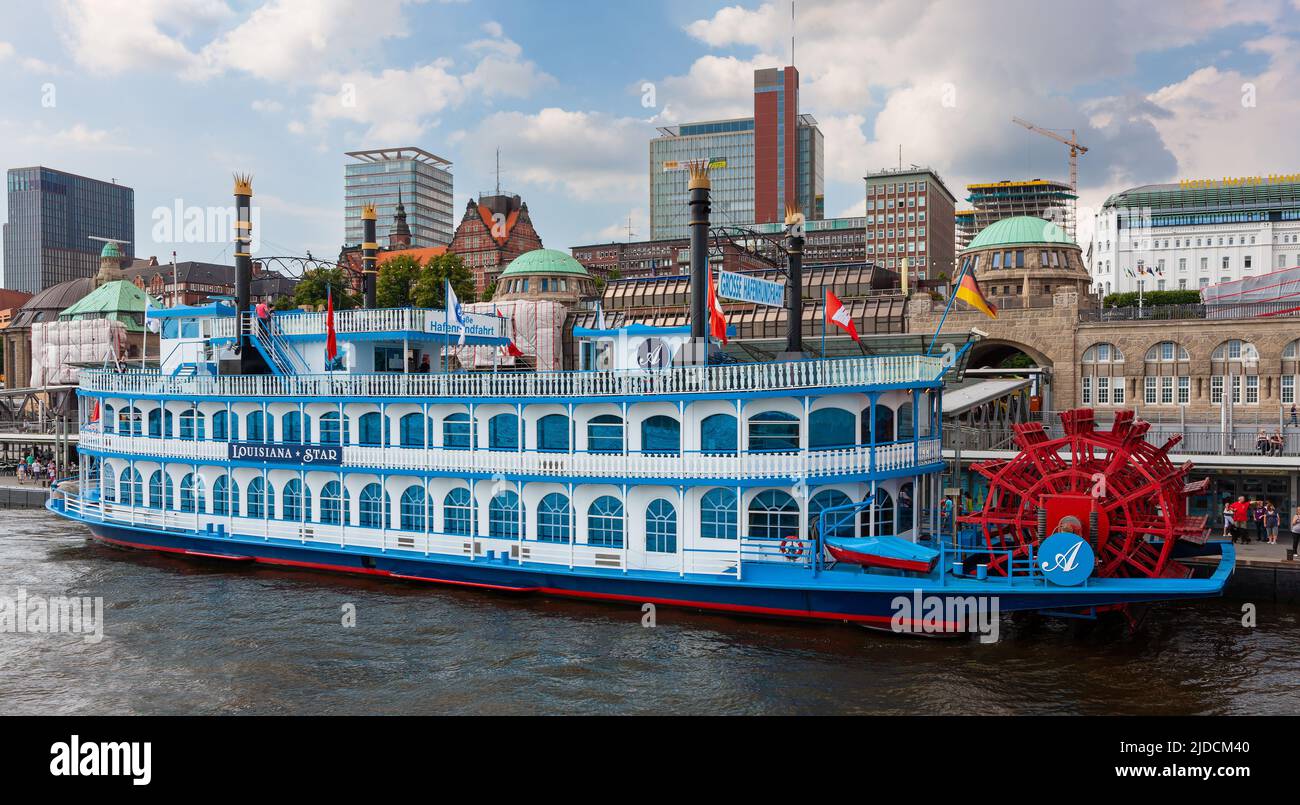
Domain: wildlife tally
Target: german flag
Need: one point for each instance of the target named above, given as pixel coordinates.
(969, 292)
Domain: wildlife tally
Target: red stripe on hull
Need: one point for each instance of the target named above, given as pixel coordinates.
(744, 609)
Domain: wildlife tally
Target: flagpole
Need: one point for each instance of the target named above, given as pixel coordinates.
(825, 304)
(952, 294)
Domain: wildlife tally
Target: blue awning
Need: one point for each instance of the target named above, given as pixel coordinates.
(190, 311)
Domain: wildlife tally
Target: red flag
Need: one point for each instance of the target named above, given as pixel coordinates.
(838, 314)
(717, 319)
(511, 350)
(331, 340)
(94, 414)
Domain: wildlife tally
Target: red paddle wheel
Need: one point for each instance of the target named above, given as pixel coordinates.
(1113, 487)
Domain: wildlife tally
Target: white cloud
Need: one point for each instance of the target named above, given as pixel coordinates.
(588, 155)
(268, 106)
(28, 64)
(114, 36)
(77, 137)
(396, 106)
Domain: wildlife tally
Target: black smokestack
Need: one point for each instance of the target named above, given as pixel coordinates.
(699, 228)
(369, 248)
(243, 255)
(794, 229)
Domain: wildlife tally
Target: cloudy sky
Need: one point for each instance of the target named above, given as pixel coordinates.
(172, 96)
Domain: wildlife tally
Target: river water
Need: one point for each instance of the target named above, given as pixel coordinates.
(183, 636)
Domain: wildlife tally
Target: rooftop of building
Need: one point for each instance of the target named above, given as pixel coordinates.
(1238, 192)
(420, 255)
(894, 174)
(544, 261)
(1022, 230)
(400, 152)
(120, 300)
(49, 303)
(110, 182)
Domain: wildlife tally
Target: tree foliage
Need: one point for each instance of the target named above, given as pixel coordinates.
(316, 283)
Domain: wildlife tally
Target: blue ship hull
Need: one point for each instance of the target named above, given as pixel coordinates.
(841, 594)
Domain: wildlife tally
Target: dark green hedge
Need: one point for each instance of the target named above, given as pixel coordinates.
(1152, 298)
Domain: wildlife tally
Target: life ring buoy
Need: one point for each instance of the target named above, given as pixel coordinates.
(792, 548)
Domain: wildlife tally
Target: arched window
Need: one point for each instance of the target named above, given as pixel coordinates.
(106, 418)
(225, 496)
(830, 429)
(838, 523)
(457, 433)
(773, 432)
(192, 493)
(160, 490)
(192, 426)
(254, 427)
(718, 514)
(297, 500)
(261, 498)
(374, 507)
(605, 522)
(503, 515)
(225, 427)
(374, 429)
(553, 434)
(884, 424)
(718, 435)
(129, 422)
(457, 512)
(1167, 351)
(773, 514)
(906, 425)
(157, 418)
(1235, 350)
(294, 427)
(661, 435)
(335, 504)
(503, 432)
(661, 527)
(129, 490)
(410, 430)
(1102, 353)
(329, 429)
(553, 515)
(412, 509)
(884, 506)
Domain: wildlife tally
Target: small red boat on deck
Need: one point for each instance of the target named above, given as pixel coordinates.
(894, 553)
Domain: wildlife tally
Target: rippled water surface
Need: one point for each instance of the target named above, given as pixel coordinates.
(191, 637)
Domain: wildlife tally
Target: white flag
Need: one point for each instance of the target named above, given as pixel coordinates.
(455, 312)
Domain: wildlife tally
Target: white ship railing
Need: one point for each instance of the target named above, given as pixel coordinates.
(728, 379)
(751, 466)
(477, 548)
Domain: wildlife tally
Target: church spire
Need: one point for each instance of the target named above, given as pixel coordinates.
(399, 237)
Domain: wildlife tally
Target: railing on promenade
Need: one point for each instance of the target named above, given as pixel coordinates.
(731, 378)
(810, 464)
(1249, 310)
(1196, 440)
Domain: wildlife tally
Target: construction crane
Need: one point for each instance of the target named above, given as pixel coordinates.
(1076, 148)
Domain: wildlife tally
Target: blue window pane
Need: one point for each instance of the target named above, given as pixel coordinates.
(503, 516)
(374, 429)
(718, 514)
(605, 434)
(773, 432)
(374, 507)
(253, 427)
(457, 512)
(838, 524)
(334, 504)
(773, 514)
(503, 432)
(553, 434)
(718, 435)
(456, 432)
(329, 429)
(553, 515)
(605, 522)
(411, 430)
(661, 434)
(412, 509)
(830, 429)
(661, 527)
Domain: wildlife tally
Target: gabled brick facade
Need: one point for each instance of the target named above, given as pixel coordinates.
(493, 231)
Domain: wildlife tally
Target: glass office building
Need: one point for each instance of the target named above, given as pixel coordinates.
(52, 217)
(423, 181)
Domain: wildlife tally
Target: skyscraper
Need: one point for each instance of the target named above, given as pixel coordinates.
(758, 164)
(909, 215)
(52, 217)
(424, 182)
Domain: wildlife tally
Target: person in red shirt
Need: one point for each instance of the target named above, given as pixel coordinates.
(1240, 514)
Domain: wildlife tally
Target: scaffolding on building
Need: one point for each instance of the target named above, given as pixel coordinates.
(994, 201)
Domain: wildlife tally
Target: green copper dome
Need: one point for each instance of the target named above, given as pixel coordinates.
(1019, 231)
(110, 250)
(544, 261)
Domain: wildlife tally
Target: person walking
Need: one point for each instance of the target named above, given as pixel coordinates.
(1261, 442)
(1271, 521)
(1276, 442)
